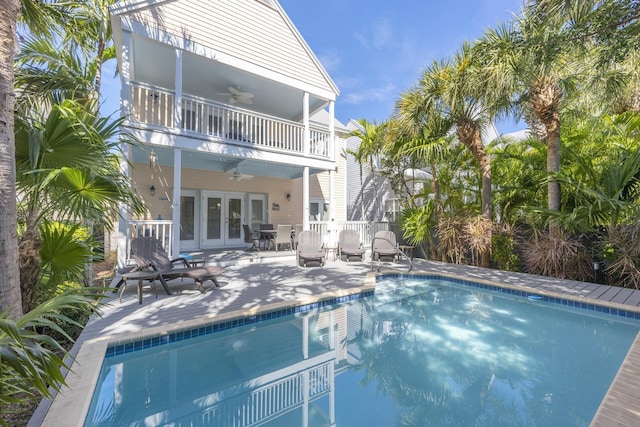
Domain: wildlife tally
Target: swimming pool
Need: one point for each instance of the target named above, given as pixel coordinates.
(419, 349)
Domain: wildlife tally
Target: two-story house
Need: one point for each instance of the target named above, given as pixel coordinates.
(235, 115)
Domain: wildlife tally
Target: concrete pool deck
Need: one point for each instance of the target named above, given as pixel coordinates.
(259, 285)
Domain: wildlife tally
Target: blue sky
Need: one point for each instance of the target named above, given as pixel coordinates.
(373, 52)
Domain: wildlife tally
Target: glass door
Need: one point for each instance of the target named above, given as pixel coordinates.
(189, 220)
(222, 215)
(257, 203)
(234, 215)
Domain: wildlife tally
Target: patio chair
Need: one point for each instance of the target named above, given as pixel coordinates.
(349, 245)
(384, 245)
(296, 233)
(251, 238)
(149, 254)
(267, 238)
(310, 248)
(283, 237)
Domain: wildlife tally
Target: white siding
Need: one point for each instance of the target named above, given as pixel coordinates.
(247, 29)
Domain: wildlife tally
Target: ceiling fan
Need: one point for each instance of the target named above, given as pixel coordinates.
(236, 95)
(237, 176)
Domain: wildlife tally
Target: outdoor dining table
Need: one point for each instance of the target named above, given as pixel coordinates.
(269, 235)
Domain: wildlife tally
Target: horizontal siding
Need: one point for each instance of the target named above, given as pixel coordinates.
(276, 189)
(246, 29)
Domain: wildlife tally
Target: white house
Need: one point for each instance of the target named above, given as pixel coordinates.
(236, 119)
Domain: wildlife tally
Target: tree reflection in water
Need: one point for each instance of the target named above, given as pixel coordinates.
(450, 357)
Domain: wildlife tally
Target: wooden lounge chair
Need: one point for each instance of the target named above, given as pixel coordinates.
(149, 254)
(349, 245)
(310, 248)
(384, 245)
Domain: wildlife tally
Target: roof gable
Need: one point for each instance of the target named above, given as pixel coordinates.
(256, 31)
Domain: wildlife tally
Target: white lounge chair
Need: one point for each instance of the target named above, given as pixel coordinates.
(310, 248)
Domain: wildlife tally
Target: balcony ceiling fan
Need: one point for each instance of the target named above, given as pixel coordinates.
(237, 176)
(236, 95)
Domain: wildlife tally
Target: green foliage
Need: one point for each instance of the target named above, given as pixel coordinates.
(621, 254)
(31, 361)
(504, 251)
(600, 175)
(518, 177)
(65, 252)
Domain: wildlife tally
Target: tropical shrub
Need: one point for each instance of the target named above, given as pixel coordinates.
(451, 239)
(504, 246)
(621, 254)
(554, 253)
(31, 361)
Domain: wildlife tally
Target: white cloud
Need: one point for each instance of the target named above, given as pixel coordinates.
(378, 36)
(373, 94)
(330, 60)
(382, 34)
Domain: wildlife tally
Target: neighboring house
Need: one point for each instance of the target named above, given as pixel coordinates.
(363, 203)
(235, 115)
(366, 202)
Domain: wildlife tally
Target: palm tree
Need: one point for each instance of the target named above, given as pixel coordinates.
(68, 169)
(452, 89)
(366, 153)
(527, 64)
(9, 279)
(37, 16)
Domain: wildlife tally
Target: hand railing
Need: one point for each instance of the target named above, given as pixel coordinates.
(396, 248)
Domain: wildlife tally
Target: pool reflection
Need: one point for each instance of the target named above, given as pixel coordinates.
(430, 352)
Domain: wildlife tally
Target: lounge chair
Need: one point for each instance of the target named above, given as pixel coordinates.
(349, 245)
(310, 248)
(384, 245)
(251, 238)
(149, 254)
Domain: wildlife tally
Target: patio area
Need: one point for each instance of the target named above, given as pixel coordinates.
(255, 282)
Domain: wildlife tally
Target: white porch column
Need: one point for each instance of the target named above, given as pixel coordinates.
(305, 122)
(125, 216)
(305, 198)
(177, 184)
(125, 110)
(333, 232)
(332, 132)
(177, 104)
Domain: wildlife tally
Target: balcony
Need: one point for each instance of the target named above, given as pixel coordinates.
(154, 107)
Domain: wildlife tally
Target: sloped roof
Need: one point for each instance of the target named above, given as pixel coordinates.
(258, 32)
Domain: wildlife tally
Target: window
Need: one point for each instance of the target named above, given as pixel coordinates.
(391, 209)
(318, 210)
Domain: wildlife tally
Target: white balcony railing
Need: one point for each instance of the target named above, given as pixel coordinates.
(162, 230)
(155, 107)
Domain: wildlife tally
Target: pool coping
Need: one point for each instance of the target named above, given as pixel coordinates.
(71, 405)
(85, 371)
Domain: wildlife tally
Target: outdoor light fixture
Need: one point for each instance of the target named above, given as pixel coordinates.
(152, 190)
(288, 196)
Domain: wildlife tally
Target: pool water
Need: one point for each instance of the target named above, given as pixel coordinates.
(419, 352)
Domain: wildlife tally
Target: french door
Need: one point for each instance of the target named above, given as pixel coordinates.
(221, 219)
(189, 220)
